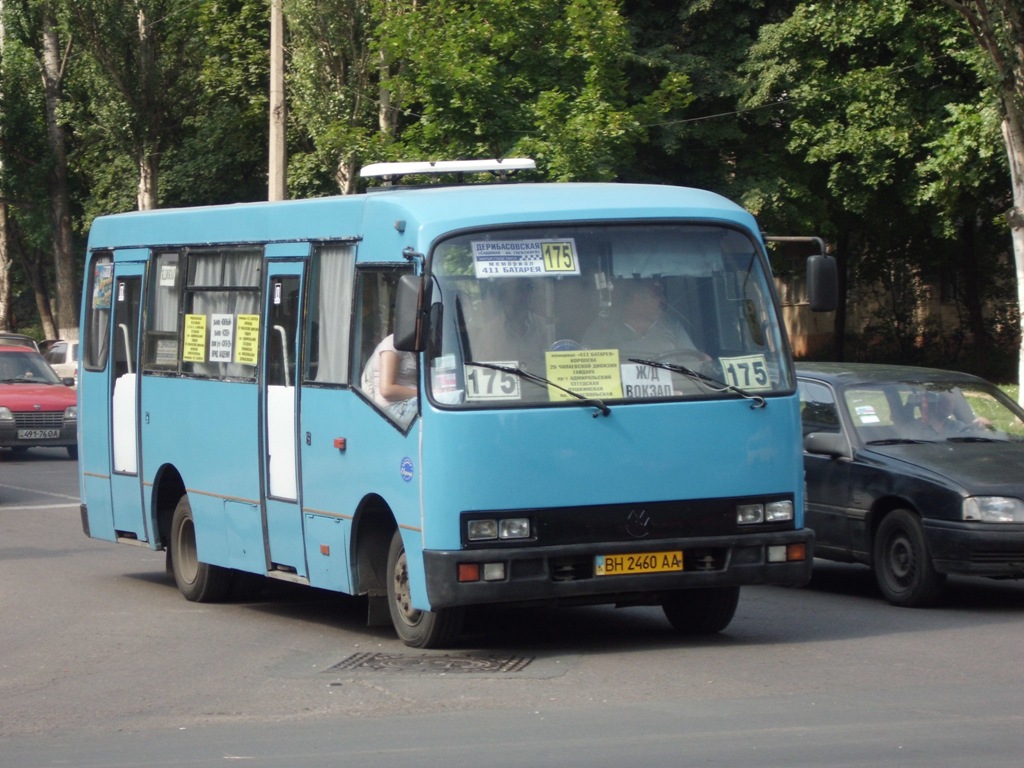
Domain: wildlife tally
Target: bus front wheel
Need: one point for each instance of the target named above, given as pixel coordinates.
(702, 611)
(198, 582)
(416, 628)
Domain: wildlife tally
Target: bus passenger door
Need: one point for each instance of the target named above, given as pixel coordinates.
(125, 486)
(283, 516)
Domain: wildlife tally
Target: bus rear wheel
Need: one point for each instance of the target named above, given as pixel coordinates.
(198, 582)
(702, 611)
(416, 628)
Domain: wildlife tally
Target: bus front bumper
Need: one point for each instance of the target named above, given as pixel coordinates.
(569, 574)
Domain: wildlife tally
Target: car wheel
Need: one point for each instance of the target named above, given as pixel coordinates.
(902, 563)
(198, 582)
(416, 628)
(703, 611)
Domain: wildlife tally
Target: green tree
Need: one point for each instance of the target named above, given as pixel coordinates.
(862, 92)
(501, 78)
(138, 84)
(39, 219)
(998, 28)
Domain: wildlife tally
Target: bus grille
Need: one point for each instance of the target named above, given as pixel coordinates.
(39, 419)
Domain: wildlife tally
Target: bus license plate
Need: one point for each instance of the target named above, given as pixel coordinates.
(37, 434)
(637, 562)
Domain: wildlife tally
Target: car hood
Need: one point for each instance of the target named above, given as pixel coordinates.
(980, 468)
(25, 397)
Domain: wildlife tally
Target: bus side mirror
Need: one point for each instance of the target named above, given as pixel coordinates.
(412, 296)
(822, 283)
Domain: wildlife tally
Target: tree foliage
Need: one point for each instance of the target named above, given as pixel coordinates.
(879, 124)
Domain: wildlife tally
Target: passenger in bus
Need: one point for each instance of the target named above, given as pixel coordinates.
(513, 331)
(638, 325)
(389, 379)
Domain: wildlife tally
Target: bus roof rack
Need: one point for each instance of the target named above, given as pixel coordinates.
(502, 167)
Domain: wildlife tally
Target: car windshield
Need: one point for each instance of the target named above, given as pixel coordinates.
(613, 312)
(933, 411)
(25, 367)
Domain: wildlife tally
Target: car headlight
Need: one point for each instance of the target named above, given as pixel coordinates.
(71, 413)
(993, 509)
(5, 413)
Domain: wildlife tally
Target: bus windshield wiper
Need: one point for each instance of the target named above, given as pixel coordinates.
(756, 401)
(599, 405)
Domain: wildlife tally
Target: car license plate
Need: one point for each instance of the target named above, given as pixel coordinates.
(37, 434)
(637, 562)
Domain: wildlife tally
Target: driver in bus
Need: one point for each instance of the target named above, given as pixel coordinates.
(639, 325)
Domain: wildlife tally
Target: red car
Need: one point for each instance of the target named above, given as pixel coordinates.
(37, 408)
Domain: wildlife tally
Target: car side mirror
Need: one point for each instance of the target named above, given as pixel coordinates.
(827, 443)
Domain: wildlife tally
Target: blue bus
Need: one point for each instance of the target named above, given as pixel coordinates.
(447, 396)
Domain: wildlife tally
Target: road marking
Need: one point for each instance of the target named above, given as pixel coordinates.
(38, 492)
(38, 506)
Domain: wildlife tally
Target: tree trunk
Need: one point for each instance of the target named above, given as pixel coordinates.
(1013, 134)
(5, 272)
(60, 204)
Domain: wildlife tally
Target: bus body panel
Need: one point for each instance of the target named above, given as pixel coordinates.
(217, 465)
(641, 453)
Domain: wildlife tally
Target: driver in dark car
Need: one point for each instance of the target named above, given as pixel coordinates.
(639, 326)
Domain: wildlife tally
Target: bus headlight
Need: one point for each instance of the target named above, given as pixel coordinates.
(749, 514)
(482, 530)
(772, 512)
(778, 512)
(993, 509)
(514, 528)
(505, 528)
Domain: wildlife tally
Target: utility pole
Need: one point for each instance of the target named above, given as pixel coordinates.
(277, 179)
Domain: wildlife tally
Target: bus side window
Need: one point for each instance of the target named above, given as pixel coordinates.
(161, 352)
(329, 314)
(100, 298)
(375, 312)
(223, 285)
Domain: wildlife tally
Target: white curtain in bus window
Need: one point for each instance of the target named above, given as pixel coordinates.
(332, 297)
(238, 269)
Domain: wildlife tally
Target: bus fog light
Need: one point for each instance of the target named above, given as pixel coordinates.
(778, 512)
(749, 514)
(514, 528)
(481, 530)
(777, 553)
(494, 571)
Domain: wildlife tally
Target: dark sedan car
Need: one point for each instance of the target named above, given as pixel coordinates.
(916, 472)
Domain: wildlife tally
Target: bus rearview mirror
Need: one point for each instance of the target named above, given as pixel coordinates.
(411, 296)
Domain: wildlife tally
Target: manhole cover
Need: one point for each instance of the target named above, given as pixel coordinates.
(429, 664)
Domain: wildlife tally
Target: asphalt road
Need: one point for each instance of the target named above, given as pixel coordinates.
(102, 663)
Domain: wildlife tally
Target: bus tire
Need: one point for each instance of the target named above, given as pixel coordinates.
(702, 611)
(416, 628)
(902, 564)
(198, 582)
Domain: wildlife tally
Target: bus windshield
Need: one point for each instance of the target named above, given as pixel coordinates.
(609, 312)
